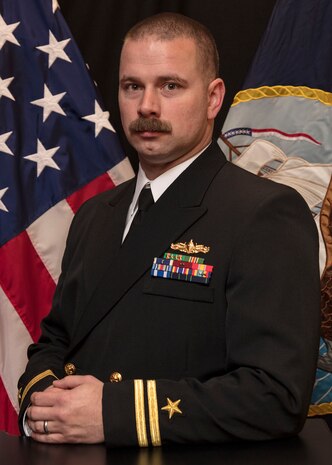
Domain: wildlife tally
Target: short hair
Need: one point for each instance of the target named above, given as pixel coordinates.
(169, 26)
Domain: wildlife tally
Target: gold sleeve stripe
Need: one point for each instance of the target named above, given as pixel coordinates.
(283, 91)
(320, 409)
(153, 413)
(140, 413)
(35, 380)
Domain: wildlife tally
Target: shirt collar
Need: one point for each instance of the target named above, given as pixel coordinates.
(162, 182)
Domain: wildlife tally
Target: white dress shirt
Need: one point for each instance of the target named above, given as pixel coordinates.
(158, 186)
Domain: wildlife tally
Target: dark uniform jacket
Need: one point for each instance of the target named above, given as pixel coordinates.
(231, 359)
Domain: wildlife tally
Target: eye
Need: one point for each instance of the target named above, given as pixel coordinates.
(171, 86)
(131, 87)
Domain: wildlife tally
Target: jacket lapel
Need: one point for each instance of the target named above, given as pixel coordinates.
(105, 237)
(175, 211)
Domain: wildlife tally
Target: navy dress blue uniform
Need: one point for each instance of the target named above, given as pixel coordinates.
(184, 361)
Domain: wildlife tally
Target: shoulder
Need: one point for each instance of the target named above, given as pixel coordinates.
(93, 210)
(246, 197)
(243, 179)
(106, 198)
(250, 188)
(239, 183)
(110, 196)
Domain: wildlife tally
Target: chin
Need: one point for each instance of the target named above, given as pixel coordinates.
(150, 151)
(154, 158)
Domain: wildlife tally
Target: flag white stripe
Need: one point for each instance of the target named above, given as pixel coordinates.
(48, 235)
(121, 172)
(14, 340)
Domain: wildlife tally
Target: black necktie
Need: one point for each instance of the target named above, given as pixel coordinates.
(145, 200)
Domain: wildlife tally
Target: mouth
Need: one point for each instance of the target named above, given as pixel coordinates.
(150, 134)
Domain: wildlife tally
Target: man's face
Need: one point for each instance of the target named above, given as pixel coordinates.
(165, 101)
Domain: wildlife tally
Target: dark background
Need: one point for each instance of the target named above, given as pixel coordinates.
(100, 25)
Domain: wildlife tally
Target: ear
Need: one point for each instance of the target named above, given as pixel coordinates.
(216, 92)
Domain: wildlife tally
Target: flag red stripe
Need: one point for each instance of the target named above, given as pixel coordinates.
(26, 282)
(8, 416)
(100, 184)
(287, 134)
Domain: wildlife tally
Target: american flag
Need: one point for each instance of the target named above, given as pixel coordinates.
(57, 149)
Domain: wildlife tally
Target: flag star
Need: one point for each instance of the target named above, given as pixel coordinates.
(100, 118)
(4, 91)
(50, 103)
(55, 49)
(6, 33)
(3, 146)
(55, 5)
(43, 158)
(2, 205)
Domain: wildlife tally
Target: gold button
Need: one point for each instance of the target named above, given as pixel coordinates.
(115, 377)
(70, 369)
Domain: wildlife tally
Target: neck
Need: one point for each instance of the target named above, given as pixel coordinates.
(153, 170)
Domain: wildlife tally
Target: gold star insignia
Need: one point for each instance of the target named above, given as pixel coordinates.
(172, 407)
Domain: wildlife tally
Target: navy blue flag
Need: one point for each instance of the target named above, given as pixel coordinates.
(57, 149)
(279, 127)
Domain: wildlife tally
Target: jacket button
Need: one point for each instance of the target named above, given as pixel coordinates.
(70, 369)
(115, 377)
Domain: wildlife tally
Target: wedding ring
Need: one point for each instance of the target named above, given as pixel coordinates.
(46, 431)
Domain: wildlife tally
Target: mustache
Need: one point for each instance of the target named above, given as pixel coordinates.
(150, 125)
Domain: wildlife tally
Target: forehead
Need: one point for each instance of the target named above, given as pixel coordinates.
(156, 55)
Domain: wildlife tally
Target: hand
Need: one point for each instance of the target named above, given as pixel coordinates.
(72, 409)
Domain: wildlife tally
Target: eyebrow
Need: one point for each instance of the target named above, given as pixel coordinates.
(160, 79)
(174, 78)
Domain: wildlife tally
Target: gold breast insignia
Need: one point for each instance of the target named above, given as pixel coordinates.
(191, 247)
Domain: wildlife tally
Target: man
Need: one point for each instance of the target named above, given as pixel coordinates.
(198, 319)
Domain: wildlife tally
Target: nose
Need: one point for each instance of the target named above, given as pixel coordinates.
(149, 105)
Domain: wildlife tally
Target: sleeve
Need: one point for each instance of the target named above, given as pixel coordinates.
(272, 334)
(45, 363)
(46, 356)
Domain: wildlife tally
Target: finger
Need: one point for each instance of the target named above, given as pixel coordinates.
(46, 427)
(40, 413)
(52, 438)
(38, 426)
(70, 382)
(45, 398)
